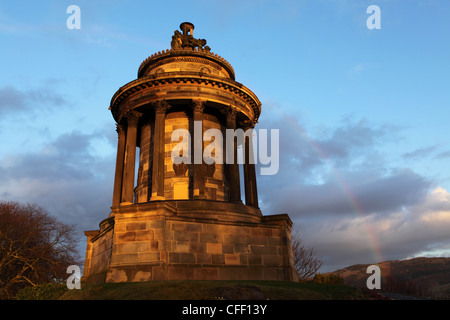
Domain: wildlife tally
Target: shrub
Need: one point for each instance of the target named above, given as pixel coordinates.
(328, 278)
(45, 291)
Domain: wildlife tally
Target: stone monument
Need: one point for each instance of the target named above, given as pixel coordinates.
(173, 221)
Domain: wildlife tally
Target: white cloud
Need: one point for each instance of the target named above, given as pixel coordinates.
(357, 69)
(417, 230)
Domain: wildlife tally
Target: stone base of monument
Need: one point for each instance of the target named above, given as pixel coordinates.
(189, 240)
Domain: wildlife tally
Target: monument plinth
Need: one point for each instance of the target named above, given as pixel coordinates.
(185, 221)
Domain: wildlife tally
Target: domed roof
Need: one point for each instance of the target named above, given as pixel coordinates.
(186, 71)
(186, 54)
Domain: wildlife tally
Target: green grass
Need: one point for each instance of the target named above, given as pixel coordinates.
(214, 290)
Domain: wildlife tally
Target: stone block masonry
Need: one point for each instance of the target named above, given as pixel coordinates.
(156, 242)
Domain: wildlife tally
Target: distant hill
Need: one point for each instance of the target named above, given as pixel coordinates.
(418, 276)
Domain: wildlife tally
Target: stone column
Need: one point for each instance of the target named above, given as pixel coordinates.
(197, 147)
(129, 159)
(232, 169)
(143, 184)
(158, 152)
(117, 193)
(251, 194)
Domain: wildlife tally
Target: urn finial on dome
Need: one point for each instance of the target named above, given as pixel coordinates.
(187, 28)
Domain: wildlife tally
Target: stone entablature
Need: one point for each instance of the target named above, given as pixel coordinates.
(185, 85)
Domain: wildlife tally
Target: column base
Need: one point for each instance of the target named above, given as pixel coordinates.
(197, 195)
(155, 198)
(125, 203)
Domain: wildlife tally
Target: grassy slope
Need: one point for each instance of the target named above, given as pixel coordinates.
(212, 290)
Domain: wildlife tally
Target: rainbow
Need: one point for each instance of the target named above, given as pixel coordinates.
(352, 198)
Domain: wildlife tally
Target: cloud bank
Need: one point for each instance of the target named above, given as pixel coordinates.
(68, 176)
(347, 201)
(13, 100)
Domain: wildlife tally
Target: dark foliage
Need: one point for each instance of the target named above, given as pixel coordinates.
(35, 248)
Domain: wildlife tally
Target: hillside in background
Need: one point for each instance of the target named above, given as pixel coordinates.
(419, 276)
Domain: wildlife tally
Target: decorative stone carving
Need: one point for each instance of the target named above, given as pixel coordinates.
(231, 113)
(120, 129)
(180, 169)
(186, 40)
(133, 117)
(176, 40)
(161, 106)
(159, 70)
(198, 105)
(205, 70)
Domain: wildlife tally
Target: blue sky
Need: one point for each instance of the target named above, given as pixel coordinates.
(363, 114)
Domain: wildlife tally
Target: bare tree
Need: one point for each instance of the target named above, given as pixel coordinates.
(35, 248)
(306, 261)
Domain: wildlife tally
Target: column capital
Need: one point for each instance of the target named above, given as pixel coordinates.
(120, 129)
(231, 113)
(133, 117)
(198, 105)
(161, 106)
